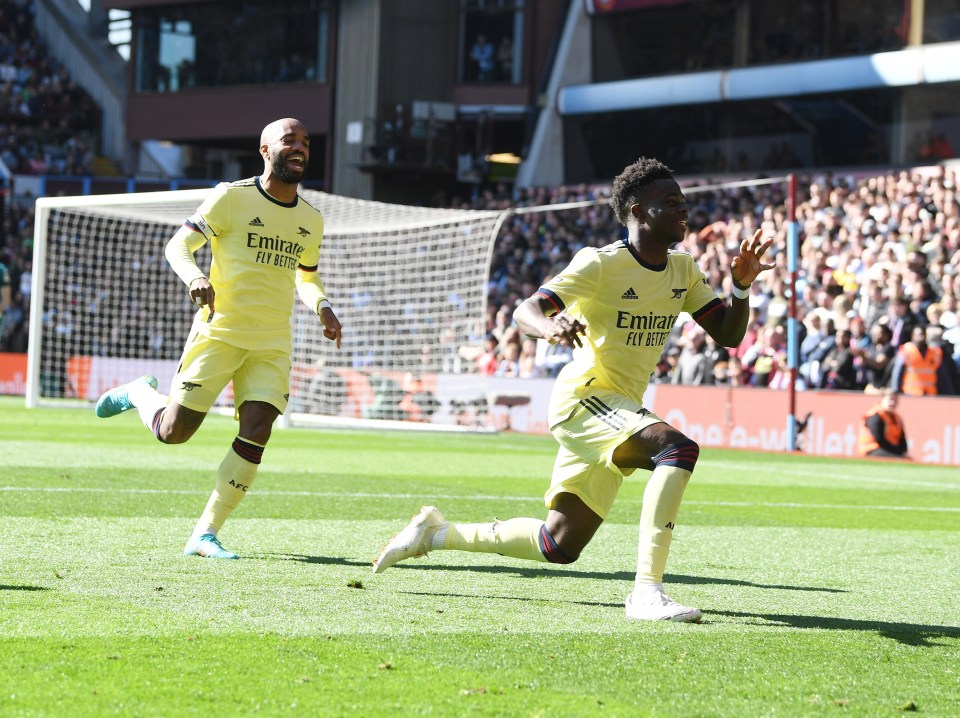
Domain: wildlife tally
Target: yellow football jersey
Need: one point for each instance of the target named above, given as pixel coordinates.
(628, 308)
(258, 245)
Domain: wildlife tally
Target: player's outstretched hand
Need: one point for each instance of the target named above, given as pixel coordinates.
(201, 293)
(747, 265)
(331, 325)
(565, 331)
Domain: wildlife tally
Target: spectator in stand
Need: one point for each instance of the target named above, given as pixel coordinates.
(872, 304)
(859, 338)
(820, 339)
(901, 321)
(736, 374)
(874, 362)
(502, 321)
(948, 376)
(489, 359)
(780, 377)
(916, 366)
(813, 331)
(692, 362)
(482, 56)
(758, 360)
(882, 433)
(528, 359)
(720, 374)
(750, 338)
(552, 357)
(837, 370)
(778, 306)
(714, 354)
(509, 364)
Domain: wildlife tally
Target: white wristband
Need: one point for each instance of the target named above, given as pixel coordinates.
(741, 293)
(323, 303)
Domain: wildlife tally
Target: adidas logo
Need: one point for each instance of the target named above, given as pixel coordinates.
(255, 222)
(302, 232)
(629, 294)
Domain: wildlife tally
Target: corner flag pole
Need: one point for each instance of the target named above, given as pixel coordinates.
(793, 350)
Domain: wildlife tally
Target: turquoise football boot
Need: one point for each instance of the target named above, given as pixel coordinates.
(117, 400)
(208, 546)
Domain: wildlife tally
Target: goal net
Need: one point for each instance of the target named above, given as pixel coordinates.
(407, 283)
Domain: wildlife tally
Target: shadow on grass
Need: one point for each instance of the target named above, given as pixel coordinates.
(323, 560)
(909, 634)
(547, 571)
(695, 580)
(23, 588)
(501, 597)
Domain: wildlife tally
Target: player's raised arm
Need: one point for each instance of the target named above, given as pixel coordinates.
(728, 325)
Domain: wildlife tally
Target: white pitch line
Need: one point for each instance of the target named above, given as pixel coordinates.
(268, 492)
(841, 477)
(460, 497)
(844, 507)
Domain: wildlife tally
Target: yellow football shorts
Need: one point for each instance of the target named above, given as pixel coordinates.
(584, 467)
(208, 365)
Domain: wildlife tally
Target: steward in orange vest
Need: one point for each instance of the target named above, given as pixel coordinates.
(920, 364)
(881, 432)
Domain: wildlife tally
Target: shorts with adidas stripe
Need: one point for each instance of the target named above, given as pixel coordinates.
(208, 365)
(597, 424)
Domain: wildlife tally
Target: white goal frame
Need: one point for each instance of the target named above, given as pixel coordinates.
(346, 219)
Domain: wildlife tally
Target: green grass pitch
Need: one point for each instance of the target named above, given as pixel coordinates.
(829, 587)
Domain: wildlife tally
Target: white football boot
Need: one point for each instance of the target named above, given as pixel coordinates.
(650, 603)
(413, 541)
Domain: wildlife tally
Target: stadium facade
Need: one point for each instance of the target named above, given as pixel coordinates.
(403, 107)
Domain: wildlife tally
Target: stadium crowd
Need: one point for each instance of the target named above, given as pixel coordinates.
(48, 126)
(47, 122)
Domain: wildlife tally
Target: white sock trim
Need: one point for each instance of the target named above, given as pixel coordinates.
(148, 404)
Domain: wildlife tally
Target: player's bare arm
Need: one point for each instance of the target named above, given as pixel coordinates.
(331, 325)
(536, 318)
(728, 325)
